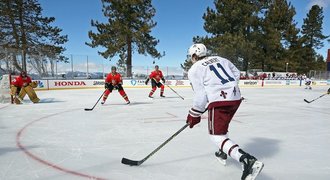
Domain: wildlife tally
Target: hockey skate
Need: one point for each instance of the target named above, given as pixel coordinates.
(150, 96)
(221, 157)
(102, 102)
(128, 102)
(251, 166)
(162, 96)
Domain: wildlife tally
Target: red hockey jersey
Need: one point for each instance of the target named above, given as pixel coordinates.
(19, 81)
(156, 75)
(114, 79)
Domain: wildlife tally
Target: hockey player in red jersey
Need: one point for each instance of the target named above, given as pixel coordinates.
(21, 86)
(155, 77)
(114, 81)
(215, 83)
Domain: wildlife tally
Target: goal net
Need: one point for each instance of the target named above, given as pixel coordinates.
(5, 96)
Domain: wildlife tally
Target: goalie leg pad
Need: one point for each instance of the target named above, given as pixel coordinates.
(13, 90)
(17, 101)
(20, 96)
(32, 94)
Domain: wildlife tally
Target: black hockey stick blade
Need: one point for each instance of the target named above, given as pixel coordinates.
(131, 162)
(307, 101)
(315, 98)
(137, 163)
(91, 109)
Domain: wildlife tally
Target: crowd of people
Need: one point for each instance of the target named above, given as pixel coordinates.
(273, 76)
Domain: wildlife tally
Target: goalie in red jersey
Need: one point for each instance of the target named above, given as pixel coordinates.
(155, 77)
(114, 81)
(21, 86)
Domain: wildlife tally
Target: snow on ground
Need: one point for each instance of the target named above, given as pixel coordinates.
(57, 139)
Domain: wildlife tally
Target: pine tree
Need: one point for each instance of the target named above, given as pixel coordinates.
(312, 28)
(280, 36)
(234, 28)
(26, 30)
(127, 29)
(312, 38)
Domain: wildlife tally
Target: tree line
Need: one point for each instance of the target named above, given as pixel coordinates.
(251, 33)
(23, 29)
(264, 35)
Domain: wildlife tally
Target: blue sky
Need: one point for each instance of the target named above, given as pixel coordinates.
(178, 21)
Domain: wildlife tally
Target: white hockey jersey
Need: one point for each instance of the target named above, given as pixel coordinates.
(213, 79)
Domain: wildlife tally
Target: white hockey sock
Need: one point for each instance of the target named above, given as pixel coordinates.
(227, 146)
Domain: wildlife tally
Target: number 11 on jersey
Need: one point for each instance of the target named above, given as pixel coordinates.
(216, 72)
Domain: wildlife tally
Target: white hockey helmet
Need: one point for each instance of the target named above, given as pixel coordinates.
(197, 49)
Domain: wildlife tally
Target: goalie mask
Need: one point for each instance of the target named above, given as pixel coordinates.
(23, 74)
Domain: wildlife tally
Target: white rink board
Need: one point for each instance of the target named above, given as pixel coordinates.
(135, 83)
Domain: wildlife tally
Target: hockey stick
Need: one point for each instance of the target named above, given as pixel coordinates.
(91, 109)
(175, 92)
(137, 163)
(316, 98)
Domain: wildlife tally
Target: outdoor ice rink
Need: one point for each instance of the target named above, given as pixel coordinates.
(58, 140)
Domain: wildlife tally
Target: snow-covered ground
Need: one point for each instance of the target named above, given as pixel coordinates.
(57, 139)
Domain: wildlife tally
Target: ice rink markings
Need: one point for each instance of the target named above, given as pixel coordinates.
(45, 162)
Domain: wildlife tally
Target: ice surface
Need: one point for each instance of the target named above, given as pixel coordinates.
(57, 139)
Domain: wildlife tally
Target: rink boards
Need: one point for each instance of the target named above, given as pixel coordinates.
(136, 83)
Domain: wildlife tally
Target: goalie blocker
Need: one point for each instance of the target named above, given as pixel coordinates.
(21, 86)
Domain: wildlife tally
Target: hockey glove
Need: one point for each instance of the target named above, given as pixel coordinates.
(33, 84)
(194, 117)
(329, 91)
(147, 81)
(163, 80)
(107, 86)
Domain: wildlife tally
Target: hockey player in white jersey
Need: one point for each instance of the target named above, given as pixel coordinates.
(215, 83)
(308, 84)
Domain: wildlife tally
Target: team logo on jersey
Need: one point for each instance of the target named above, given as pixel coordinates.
(133, 82)
(223, 94)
